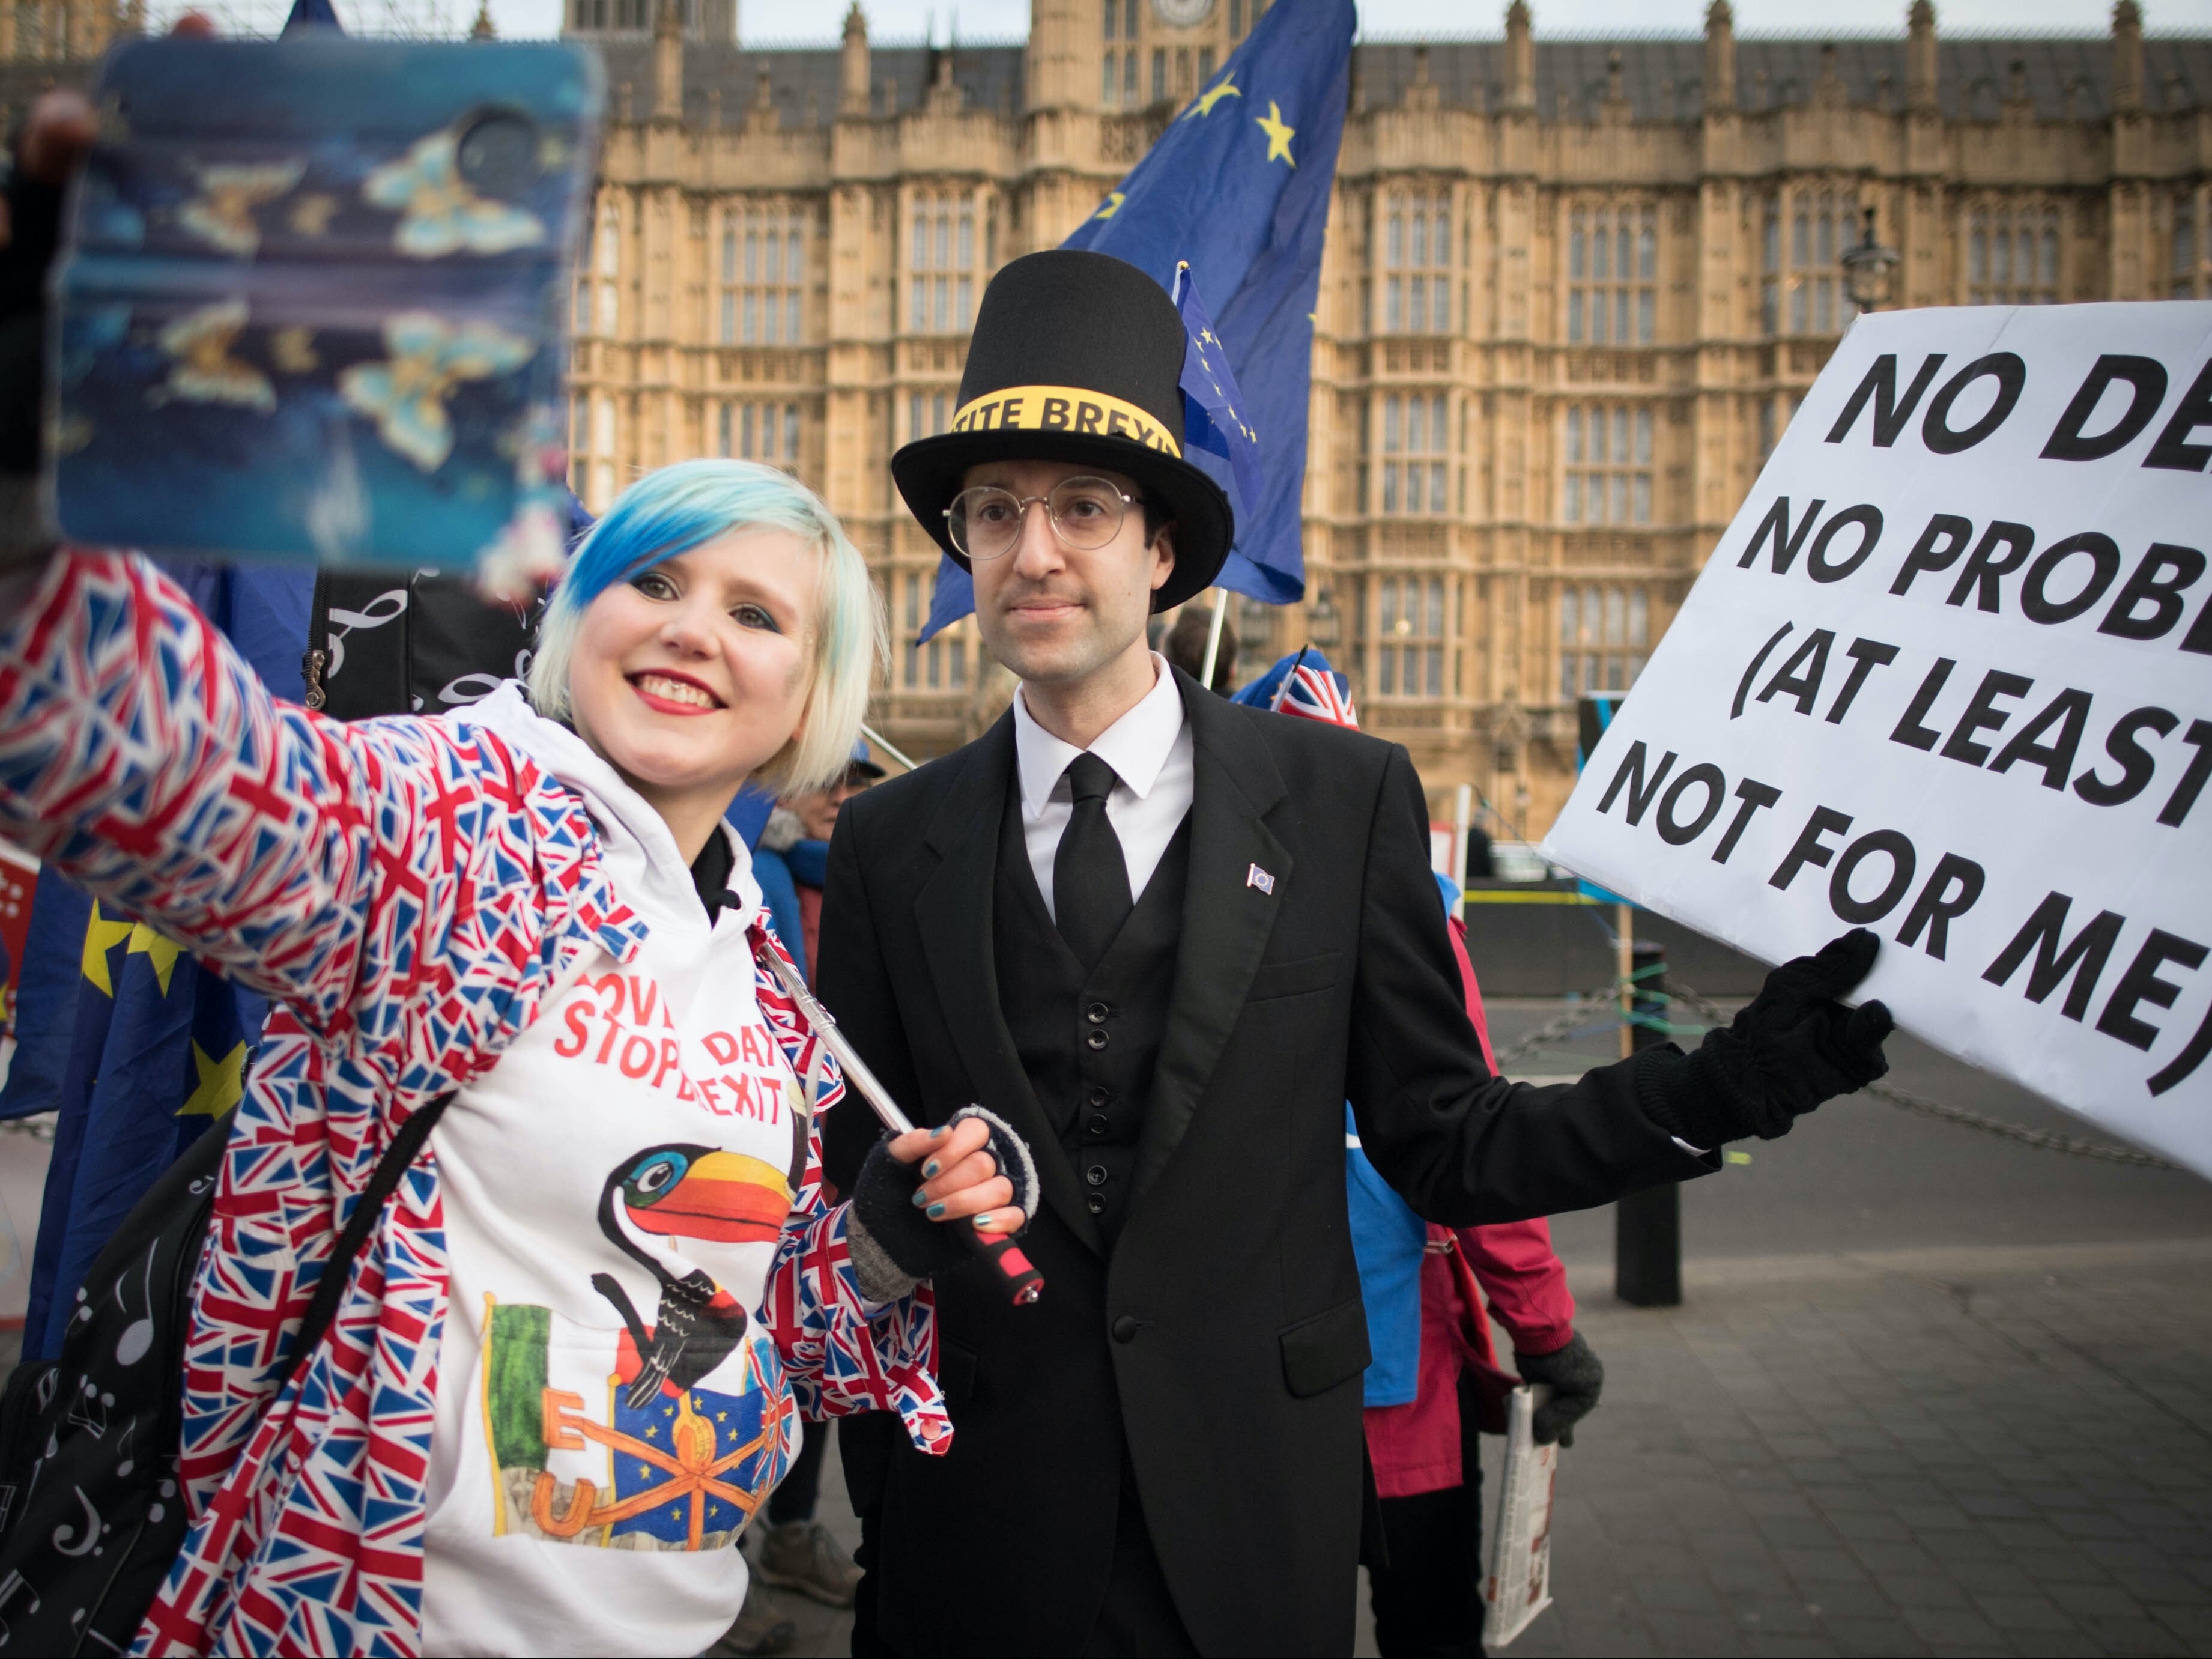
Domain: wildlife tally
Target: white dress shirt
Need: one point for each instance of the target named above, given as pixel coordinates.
(1149, 748)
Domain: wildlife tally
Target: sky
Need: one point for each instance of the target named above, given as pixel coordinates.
(794, 21)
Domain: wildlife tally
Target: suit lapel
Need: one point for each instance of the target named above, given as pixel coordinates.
(954, 911)
(1227, 917)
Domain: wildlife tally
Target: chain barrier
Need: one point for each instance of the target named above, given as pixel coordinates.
(1577, 1023)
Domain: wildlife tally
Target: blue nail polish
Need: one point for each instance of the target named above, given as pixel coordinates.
(929, 1171)
(938, 1133)
(920, 1198)
(936, 1212)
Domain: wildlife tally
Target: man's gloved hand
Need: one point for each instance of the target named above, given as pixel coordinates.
(913, 1191)
(1576, 1377)
(1793, 1047)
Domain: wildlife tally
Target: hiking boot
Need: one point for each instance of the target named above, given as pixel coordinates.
(801, 1555)
(760, 1628)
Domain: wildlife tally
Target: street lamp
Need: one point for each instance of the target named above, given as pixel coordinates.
(1867, 270)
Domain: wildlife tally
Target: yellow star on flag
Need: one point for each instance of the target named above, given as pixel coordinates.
(1278, 133)
(222, 1085)
(1207, 101)
(102, 936)
(1114, 200)
(161, 952)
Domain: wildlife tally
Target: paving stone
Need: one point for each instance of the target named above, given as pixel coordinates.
(2091, 1601)
(2021, 1612)
(1876, 1638)
(2134, 1637)
(1695, 1634)
(1910, 1589)
(1864, 1599)
(1997, 1506)
(2192, 1624)
(1677, 1594)
(1813, 1567)
(1992, 1577)
(1775, 1616)
(1925, 1518)
(1952, 1626)
(2164, 1589)
(1882, 1559)
(1869, 1527)
(2052, 1644)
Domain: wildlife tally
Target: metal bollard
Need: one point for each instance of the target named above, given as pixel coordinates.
(1647, 1235)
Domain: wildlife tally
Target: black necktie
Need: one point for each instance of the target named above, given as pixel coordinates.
(1090, 877)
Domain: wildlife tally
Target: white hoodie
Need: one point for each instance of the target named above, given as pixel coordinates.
(618, 1181)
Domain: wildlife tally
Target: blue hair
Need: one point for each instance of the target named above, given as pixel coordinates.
(681, 506)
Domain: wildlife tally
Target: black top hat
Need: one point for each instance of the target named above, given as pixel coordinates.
(1077, 357)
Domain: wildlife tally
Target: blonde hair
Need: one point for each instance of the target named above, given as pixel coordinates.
(685, 506)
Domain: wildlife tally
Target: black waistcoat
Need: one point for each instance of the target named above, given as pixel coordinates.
(1088, 1042)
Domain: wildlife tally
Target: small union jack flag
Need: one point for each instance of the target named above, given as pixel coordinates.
(1317, 693)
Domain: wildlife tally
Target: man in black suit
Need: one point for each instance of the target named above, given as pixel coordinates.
(1167, 938)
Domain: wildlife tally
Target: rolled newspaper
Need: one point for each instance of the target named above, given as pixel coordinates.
(1520, 1583)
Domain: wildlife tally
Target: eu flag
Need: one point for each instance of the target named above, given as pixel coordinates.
(1238, 187)
(135, 1046)
(1216, 418)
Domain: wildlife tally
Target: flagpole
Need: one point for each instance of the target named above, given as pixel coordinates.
(885, 744)
(1213, 636)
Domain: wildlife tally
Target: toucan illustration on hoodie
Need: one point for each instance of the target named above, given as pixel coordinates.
(685, 1192)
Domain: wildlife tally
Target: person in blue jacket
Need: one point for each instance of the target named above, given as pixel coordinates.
(793, 856)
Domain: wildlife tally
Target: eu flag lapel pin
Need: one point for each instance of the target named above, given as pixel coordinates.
(1255, 877)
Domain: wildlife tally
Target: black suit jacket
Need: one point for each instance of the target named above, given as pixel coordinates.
(1224, 1335)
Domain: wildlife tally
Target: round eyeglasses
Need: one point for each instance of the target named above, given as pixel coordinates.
(986, 521)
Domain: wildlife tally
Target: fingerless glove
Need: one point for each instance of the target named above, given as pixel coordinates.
(894, 1245)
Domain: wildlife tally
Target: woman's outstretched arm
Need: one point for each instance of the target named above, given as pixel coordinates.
(139, 753)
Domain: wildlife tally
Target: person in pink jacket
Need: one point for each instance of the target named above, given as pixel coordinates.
(1431, 1293)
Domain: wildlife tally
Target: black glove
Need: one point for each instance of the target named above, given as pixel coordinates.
(1576, 1377)
(1793, 1047)
(884, 1209)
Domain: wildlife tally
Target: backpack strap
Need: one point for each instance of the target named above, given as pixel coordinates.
(397, 1158)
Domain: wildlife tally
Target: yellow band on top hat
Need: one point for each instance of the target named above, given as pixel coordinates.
(1064, 409)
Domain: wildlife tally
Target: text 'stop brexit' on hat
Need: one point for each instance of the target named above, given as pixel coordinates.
(1077, 357)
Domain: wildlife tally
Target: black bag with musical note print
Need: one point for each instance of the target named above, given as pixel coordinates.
(392, 643)
(91, 1518)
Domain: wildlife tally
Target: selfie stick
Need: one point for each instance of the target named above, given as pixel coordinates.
(1022, 1281)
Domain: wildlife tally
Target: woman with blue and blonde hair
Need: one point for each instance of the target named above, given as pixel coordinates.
(571, 1362)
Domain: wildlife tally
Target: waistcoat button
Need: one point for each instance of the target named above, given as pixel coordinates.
(1096, 1013)
(1096, 1040)
(1125, 1328)
(1096, 1174)
(1097, 1204)
(1100, 1097)
(1099, 1124)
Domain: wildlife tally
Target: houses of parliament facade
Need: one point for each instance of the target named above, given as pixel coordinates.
(1572, 292)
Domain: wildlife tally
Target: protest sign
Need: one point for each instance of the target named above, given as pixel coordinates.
(1948, 675)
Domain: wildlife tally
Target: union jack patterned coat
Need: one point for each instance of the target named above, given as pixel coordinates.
(410, 891)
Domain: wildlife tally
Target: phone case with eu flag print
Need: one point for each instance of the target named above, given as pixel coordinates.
(312, 305)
